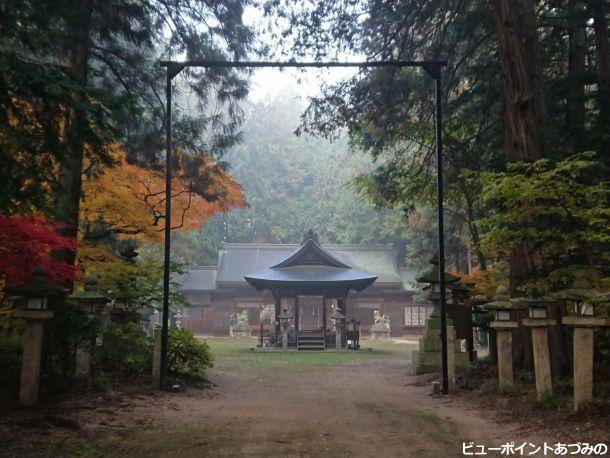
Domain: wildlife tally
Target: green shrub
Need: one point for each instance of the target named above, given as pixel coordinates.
(69, 329)
(188, 357)
(10, 362)
(125, 353)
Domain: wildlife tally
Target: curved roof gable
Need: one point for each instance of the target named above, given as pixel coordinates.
(310, 254)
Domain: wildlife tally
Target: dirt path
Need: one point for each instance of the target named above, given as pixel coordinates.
(366, 411)
(281, 405)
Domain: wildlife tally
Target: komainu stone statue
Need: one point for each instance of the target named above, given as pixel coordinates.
(380, 330)
(240, 324)
(267, 314)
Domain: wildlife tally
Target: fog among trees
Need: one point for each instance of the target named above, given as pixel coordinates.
(296, 182)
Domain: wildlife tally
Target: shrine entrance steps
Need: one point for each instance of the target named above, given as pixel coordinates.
(310, 340)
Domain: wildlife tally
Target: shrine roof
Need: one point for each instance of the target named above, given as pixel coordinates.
(198, 278)
(311, 274)
(310, 265)
(236, 260)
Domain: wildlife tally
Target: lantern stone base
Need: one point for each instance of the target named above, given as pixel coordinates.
(32, 353)
(83, 363)
(583, 366)
(428, 358)
(504, 344)
(451, 352)
(338, 339)
(542, 356)
(583, 356)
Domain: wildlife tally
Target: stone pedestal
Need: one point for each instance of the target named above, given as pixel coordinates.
(241, 332)
(583, 366)
(504, 343)
(380, 333)
(338, 346)
(156, 367)
(83, 362)
(285, 339)
(451, 352)
(428, 358)
(583, 356)
(32, 353)
(542, 357)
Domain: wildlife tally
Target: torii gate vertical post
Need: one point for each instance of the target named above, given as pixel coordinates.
(441, 228)
(433, 68)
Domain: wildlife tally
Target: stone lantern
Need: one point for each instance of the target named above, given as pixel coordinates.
(580, 303)
(503, 323)
(93, 303)
(34, 312)
(432, 288)
(338, 318)
(539, 323)
(460, 311)
(284, 321)
(178, 317)
(427, 359)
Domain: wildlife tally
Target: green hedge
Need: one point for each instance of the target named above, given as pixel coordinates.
(188, 357)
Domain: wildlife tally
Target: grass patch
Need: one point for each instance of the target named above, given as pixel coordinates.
(67, 444)
(429, 417)
(237, 354)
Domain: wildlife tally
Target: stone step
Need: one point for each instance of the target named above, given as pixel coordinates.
(310, 347)
(310, 341)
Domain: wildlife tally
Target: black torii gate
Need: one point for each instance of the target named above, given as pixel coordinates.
(433, 67)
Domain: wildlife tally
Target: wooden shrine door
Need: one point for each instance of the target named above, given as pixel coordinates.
(311, 313)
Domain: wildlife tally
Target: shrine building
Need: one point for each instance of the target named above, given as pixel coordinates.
(312, 281)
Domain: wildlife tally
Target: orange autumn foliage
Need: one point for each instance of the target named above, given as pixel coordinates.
(486, 281)
(130, 200)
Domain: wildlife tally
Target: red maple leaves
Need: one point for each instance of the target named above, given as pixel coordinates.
(27, 242)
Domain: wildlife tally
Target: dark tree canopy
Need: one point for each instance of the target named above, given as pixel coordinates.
(99, 60)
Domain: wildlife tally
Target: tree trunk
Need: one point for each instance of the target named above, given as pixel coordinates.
(524, 122)
(70, 177)
(472, 227)
(599, 10)
(576, 70)
(524, 117)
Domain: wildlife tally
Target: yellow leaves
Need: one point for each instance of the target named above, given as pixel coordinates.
(128, 200)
